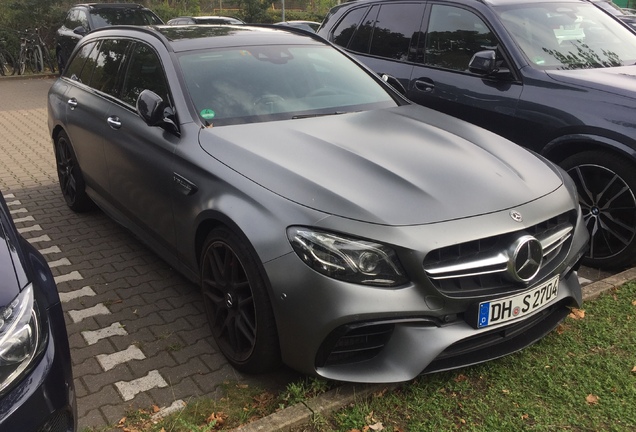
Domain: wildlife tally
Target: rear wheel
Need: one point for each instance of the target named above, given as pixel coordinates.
(7, 64)
(237, 304)
(607, 193)
(70, 175)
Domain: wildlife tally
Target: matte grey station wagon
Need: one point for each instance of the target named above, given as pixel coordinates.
(330, 223)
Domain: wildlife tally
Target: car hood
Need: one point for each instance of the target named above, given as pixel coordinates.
(401, 166)
(617, 80)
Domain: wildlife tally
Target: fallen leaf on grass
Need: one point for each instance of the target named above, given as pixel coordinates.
(592, 399)
(216, 419)
(460, 378)
(155, 409)
(376, 427)
(634, 369)
(577, 314)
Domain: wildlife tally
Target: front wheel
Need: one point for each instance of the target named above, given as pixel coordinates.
(237, 304)
(607, 193)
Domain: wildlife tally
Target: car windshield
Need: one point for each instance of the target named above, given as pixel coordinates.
(568, 35)
(122, 16)
(275, 82)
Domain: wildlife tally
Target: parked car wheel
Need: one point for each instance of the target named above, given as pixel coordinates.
(70, 175)
(606, 185)
(237, 304)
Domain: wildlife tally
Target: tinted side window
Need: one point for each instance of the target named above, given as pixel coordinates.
(396, 26)
(362, 38)
(345, 28)
(144, 72)
(453, 36)
(108, 62)
(75, 67)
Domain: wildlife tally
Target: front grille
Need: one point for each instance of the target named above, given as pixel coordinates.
(59, 421)
(480, 267)
(351, 344)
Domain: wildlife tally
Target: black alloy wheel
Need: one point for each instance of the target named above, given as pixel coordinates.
(237, 304)
(607, 193)
(70, 176)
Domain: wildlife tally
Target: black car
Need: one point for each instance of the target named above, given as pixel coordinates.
(86, 17)
(36, 381)
(554, 76)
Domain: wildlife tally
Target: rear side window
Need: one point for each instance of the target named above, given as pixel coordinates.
(75, 69)
(390, 30)
(108, 63)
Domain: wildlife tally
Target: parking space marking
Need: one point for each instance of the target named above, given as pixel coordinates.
(93, 336)
(24, 219)
(83, 292)
(16, 211)
(42, 238)
(128, 390)
(74, 275)
(82, 314)
(12, 203)
(50, 250)
(30, 229)
(60, 262)
(109, 361)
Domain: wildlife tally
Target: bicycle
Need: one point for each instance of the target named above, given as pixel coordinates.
(33, 53)
(7, 62)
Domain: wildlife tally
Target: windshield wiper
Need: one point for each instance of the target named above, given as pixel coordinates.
(302, 116)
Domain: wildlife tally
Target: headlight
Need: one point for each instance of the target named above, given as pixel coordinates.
(347, 259)
(19, 336)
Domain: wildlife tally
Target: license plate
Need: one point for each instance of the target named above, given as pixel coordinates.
(517, 306)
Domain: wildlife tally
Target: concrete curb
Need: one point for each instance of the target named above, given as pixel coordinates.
(331, 401)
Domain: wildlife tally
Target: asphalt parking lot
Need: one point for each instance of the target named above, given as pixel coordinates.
(137, 330)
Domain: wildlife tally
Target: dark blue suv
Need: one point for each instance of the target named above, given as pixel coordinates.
(554, 76)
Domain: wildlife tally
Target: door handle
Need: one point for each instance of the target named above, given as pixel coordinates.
(113, 122)
(425, 85)
(72, 102)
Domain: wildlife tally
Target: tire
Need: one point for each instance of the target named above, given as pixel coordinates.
(47, 60)
(237, 305)
(38, 62)
(22, 61)
(7, 64)
(70, 176)
(607, 193)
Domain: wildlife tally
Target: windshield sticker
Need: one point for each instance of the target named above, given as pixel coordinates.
(207, 114)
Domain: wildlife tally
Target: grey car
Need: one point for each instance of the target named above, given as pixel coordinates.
(331, 224)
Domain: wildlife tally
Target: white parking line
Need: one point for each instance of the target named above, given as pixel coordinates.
(42, 238)
(79, 315)
(20, 210)
(84, 292)
(13, 203)
(24, 219)
(50, 250)
(60, 262)
(93, 336)
(128, 390)
(74, 275)
(109, 361)
(30, 229)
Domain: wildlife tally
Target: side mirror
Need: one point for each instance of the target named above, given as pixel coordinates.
(485, 63)
(393, 82)
(80, 31)
(154, 111)
(151, 108)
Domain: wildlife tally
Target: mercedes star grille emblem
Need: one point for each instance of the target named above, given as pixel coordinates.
(525, 259)
(516, 216)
